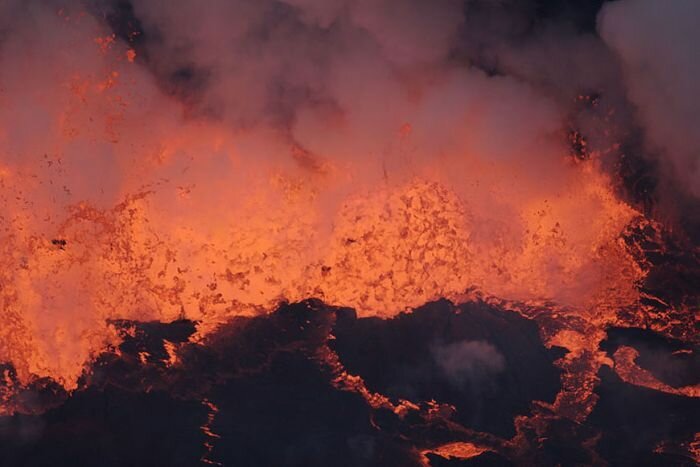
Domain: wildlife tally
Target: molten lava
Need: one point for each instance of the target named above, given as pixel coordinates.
(275, 224)
(117, 205)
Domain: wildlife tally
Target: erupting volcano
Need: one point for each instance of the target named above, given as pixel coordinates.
(349, 232)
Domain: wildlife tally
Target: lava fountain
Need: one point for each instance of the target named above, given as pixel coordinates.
(211, 174)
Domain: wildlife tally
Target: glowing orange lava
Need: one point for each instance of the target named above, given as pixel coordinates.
(115, 205)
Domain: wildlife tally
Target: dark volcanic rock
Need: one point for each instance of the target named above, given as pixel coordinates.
(291, 415)
(635, 421)
(487, 459)
(260, 392)
(488, 363)
(110, 428)
(671, 361)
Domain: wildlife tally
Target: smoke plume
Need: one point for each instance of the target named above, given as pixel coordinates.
(655, 42)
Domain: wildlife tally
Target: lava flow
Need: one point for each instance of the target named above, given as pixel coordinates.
(356, 229)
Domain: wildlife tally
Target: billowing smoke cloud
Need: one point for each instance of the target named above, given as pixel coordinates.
(469, 362)
(656, 44)
(209, 161)
(342, 79)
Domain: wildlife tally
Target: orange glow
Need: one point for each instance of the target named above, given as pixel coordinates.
(171, 350)
(630, 372)
(455, 451)
(105, 42)
(206, 429)
(116, 205)
(695, 448)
